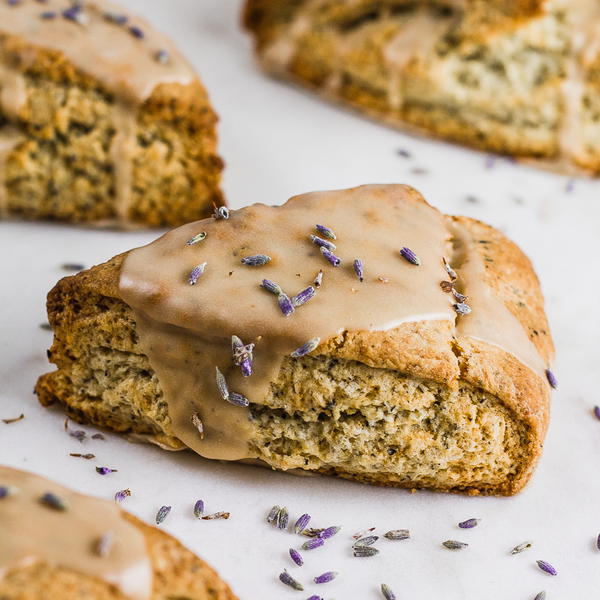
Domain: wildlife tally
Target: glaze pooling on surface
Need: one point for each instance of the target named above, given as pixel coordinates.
(186, 330)
(33, 532)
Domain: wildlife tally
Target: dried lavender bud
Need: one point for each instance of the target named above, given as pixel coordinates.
(361, 534)
(197, 238)
(272, 287)
(551, 379)
(7, 490)
(98, 436)
(78, 434)
(53, 501)
(105, 470)
(410, 256)
(459, 297)
(13, 420)
(162, 514)
(387, 592)
(332, 258)
(521, 547)
(329, 532)
(258, 260)
(312, 532)
(162, 56)
(540, 596)
(597, 541)
(318, 279)
(199, 508)
(364, 551)
(461, 308)
(272, 516)
(321, 243)
(313, 543)
(447, 286)
(546, 567)
(304, 296)
(75, 14)
(315, 597)
(197, 423)
(122, 494)
(285, 304)
(221, 213)
(597, 412)
(288, 580)
(325, 577)
(469, 523)
(104, 544)
(359, 269)
(46, 326)
(79, 455)
(136, 32)
(451, 272)
(117, 19)
(282, 518)
(196, 273)
(397, 534)
(222, 384)
(217, 515)
(365, 541)
(454, 545)
(306, 348)
(238, 399)
(72, 267)
(302, 523)
(296, 557)
(325, 232)
(242, 355)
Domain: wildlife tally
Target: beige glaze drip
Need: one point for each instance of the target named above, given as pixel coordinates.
(32, 532)
(186, 330)
(10, 137)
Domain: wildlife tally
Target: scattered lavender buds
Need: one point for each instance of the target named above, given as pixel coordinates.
(469, 523)
(257, 260)
(302, 523)
(306, 348)
(199, 509)
(288, 580)
(598, 542)
(279, 517)
(331, 257)
(540, 596)
(162, 514)
(551, 379)
(104, 544)
(321, 243)
(364, 551)
(397, 534)
(365, 541)
(222, 384)
(122, 494)
(461, 308)
(136, 32)
(454, 545)
(13, 420)
(318, 279)
(447, 286)
(75, 14)
(242, 355)
(78, 434)
(458, 296)
(285, 304)
(196, 239)
(451, 272)
(315, 597)
(196, 273)
(361, 534)
(296, 557)
(217, 515)
(7, 490)
(546, 567)
(359, 269)
(162, 56)
(116, 18)
(53, 501)
(304, 296)
(329, 532)
(313, 543)
(272, 287)
(72, 267)
(238, 399)
(521, 547)
(325, 577)
(326, 232)
(410, 256)
(197, 423)
(597, 412)
(273, 514)
(105, 470)
(313, 532)
(221, 213)
(98, 436)
(387, 592)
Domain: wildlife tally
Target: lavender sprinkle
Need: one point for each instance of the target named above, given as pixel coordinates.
(104, 544)
(540, 596)
(302, 523)
(162, 514)
(387, 592)
(257, 260)
(7, 491)
(313, 543)
(306, 348)
(458, 296)
(461, 308)
(196, 239)
(48, 15)
(117, 19)
(162, 56)
(364, 551)
(222, 384)
(597, 412)
(454, 545)
(329, 532)
(136, 32)
(122, 494)
(469, 523)
(197, 423)
(288, 580)
(410, 256)
(359, 269)
(326, 231)
(272, 287)
(546, 567)
(53, 501)
(317, 241)
(315, 597)
(238, 399)
(365, 541)
(217, 515)
(196, 273)
(304, 296)
(521, 547)
(105, 470)
(397, 534)
(242, 355)
(598, 542)
(296, 557)
(78, 434)
(285, 304)
(551, 379)
(318, 279)
(199, 508)
(331, 257)
(326, 577)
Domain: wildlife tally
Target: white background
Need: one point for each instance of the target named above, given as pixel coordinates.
(277, 142)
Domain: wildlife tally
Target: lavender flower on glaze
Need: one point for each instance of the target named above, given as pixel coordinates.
(359, 269)
(7, 490)
(326, 577)
(221, 213)
(53, 501)
(410, 256)
(296, 557)
(469, 523)
(104, 544)
(242, 355)
(285, 304)
(302, 523)
(326, 232)
(257, 260)
(122, 494)
(197, 423)
(461, 308)
(196, 239)
(196, 273)
(136, 32)
(238, 399)
(116, 18)
(306, 348)
(546, 567)
(551, 379)
(162, 514)
(162, 56)
(222, 384)
(304, 296)
(199, 509)
(331, 257)
(321, 243)
(288, 580)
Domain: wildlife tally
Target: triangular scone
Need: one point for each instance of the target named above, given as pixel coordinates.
(517, 77)
(102, 121)
(58, 544)
(327, 334)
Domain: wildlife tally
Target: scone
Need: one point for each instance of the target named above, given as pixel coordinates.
(57, 544)
(102, 121)
(520, 77)
(327, 335)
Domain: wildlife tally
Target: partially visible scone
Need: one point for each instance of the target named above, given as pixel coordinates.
(516, 77)
(102, 120)
(60, 545)
(327, 334)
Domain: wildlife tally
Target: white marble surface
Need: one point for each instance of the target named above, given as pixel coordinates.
(278, 142)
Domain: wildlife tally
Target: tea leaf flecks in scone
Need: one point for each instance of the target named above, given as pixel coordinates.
(199, 508)
(306, 348)
(546, 567)
(302, 523)
(197, 423)
(238, 399)
(313, 543)
(221, 213)
(288, 580)
(454, 545)
(321, 243)
(7, 491)
(296, 557)
(551, 379)
(318, 279)
(271, 286)
(105, 470)
(257, 260)
(162, 514)
(469, 523)
(304, 296)
(55, 502)
(104, 544)
(285, 304)
(326, 232)
(397, 534)
(14, 419)
(461, 308)
(410, 256)
(387, 592)
(326, 577)
(196, 239)
(221, 384)
(162, 56)
(521, 547)
(451, 272)
(196, 273)
(331, 257)
(365, 541)
(79, 455)
(122, 494)
(217, 515)
(242, 355)
(359, 269)
(364, 551)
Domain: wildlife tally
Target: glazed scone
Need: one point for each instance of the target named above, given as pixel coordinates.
(102, 121)
(57, 544)
(516, 77)
(398, 386)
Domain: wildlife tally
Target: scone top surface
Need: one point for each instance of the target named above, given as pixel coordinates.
(34, 531)
(186, 330)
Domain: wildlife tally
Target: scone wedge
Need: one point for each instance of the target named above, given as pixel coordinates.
(58, 544)
(358, 333)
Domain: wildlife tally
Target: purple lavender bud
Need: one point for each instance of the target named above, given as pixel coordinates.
(98, 436)
(410, 256)
(121, 495)
(199, 509)
(469, 523)
(53, 501)
(296, 557)
(317, 241)
(460, 298)
(302, 523)
(162, 514)
(313, 543)
(116, 18)
(304, 296)
(364, 551)
(329, 532)
(272, 287)
(221, 384)
(242, 355)
(326, 232)
(359, 269)
(551, 379)
(315, 597)
(598, 542)
(387, 592)
(196, 273)
(570, 186)
(325, 577)
(288, 580)
(196, 239)
(104, 544)
(546, 567)
(7, 490)
(48, 15)
(13, 2)
(162, 56)
(238, 399)
(75, 14)
(282, 518)
(78, 434)
(272, 516)
(540, 596)
(597, 412)
(332, 258)
(136, 32)
(105, 470)
(318, 279)
(306, 348)
(285, 304)
(257, 260)
(397, 534)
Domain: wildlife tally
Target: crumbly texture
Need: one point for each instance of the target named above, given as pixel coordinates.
(413, 407)
(493, 80)
(177, 574)
(63, 170)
